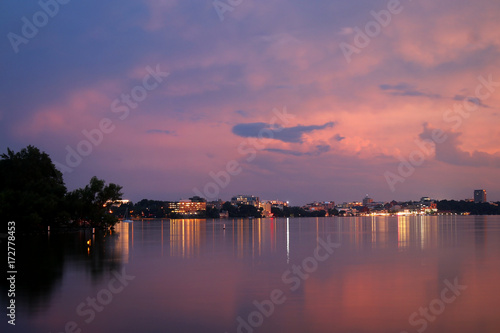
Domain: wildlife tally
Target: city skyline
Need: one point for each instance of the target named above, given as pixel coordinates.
(366, 200)
(292, 100)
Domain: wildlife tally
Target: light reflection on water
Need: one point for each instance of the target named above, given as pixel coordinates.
(201, 275)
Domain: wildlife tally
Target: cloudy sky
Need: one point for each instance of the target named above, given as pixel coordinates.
(294, 100)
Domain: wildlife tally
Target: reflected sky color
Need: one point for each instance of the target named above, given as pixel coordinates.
(194, 276)
(352, 121)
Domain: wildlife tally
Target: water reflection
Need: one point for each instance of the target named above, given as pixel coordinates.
(186, 237)
(201, 275)
(252, 238)
(124, 242)
(244, 237)
(41, 261)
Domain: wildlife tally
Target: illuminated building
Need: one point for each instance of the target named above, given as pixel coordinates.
(278, 204)
(367, 200)
(116, 203)
(267, 206)
(348, 205)
(215, 204)
(245, 200)
(479, 196)
(187, 207)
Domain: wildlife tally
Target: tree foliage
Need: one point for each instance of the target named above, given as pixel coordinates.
(295, 211)
(241, 210)
(151, 208)
(32, 190)
(469, 207)
(33, 194)
(91, 203)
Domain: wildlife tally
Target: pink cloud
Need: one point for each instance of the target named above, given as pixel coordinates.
(67, 115)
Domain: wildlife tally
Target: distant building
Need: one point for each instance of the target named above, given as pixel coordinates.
(318, 206)
(117, 203)
(313, 207)
(348, 205)
(367, 201)
(245, 200)
(479, 196)
(266, 208)
(217, 204)
(278, 203)
(427, 202)
(268, 205)
(188, 207)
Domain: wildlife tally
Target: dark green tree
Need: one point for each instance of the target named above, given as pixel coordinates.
(232, 210)
(295, 212)
(212, 213)
(468, 206)
(248, 211)
(333, 212)
(91, 203)
(278, 212)
(152, 208)
(241, 210)
(32, 190)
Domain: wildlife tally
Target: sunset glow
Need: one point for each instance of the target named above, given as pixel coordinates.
(166, 93)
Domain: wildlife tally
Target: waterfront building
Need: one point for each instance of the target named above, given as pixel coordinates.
(318, 206)
(217, 204)
(117, 203)
(245, 200)
(268, 205)
(479, 196)
(188, 207)
(367, 201)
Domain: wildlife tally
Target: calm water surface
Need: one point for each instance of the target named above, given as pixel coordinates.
(380, 274)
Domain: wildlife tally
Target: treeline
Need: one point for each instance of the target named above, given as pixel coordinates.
(295, 211)
(156, 209)
(251, 211)
(468, 207)
(160, 209)
(33, 194)
(242, 211)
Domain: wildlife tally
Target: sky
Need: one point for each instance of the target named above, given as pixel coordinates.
(291, 100)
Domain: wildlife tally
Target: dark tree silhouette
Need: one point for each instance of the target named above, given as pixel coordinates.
(32, 190)
(91, 203)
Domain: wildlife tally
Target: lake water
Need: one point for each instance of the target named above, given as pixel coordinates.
(370, 274)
